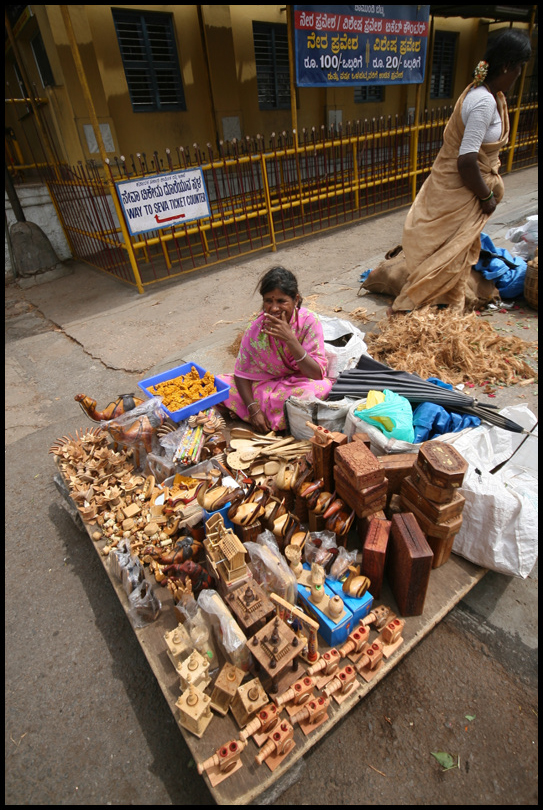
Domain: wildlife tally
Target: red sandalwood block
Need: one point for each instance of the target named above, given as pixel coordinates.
(409, 564)
(374, 554)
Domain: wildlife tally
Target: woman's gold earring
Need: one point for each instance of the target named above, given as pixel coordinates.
(505, 70)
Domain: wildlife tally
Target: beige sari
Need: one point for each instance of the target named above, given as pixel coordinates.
(441, 237)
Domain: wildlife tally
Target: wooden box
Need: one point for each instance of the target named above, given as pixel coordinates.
(363, 525)
(358, 464)
(374, 554)
(409, 564)
(442, 530)
(442, 548)
(440, 536)
(323, 462)
(362, 437)
(429, 490)
(443, 465)
(436, 512)
(360, 498)
(396, 466)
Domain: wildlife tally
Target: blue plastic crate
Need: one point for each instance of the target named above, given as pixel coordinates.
(200, 405)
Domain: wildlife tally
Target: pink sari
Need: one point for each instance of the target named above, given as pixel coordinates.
(272, 370)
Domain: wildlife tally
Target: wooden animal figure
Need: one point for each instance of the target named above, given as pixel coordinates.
(123, 403)
(140, 431)
(198, 576)
(186, 548)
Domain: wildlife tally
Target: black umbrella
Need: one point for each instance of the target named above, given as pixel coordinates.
(371, 375)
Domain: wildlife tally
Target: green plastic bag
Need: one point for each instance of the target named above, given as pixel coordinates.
(393, 417)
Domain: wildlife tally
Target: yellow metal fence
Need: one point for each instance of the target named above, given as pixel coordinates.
(261, 195)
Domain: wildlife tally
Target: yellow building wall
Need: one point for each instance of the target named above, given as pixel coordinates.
(217, 62)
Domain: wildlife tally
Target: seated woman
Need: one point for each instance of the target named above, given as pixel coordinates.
(281, 355)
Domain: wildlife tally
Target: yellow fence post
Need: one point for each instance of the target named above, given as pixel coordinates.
(516, 117)
(415, 144)
(268, 202)
(355, 176)
(98, 135)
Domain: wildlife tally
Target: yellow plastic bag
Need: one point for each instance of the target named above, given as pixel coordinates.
(389, 412)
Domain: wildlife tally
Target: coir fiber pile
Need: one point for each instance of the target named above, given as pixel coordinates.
(455, 349)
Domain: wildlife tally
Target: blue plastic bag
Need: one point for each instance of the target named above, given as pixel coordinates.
(431, 420)
(395, 408)
(498, 264)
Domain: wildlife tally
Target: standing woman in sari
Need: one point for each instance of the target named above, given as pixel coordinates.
(442, 232)
(281, 355)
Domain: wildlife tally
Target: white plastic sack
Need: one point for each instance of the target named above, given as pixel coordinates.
(500, 527)
(331, 415)
(524, 239)
(341, 357)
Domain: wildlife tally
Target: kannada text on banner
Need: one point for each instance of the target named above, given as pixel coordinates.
(356, 45)
(164, 200)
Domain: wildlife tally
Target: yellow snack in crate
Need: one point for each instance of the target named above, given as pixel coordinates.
(182, 391)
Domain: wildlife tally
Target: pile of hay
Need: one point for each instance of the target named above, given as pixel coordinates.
(456, 349)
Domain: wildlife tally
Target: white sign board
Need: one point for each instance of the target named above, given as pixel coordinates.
(163, 200)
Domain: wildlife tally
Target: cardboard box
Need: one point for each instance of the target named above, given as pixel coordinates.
(358, 607)
(333, 633)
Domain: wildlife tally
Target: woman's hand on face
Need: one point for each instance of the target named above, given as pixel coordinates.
(278, 328)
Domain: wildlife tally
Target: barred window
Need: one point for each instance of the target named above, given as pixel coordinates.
(442, 80)
(272, 66)
(150, 61)
(42, 60)
(369, 92)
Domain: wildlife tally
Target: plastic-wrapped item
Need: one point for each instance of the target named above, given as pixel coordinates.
(230, 637)
(342, 562)
(198, 626)
(184, 445)
(119, 558)
(137, 428)
(132, 574)
(145, 606)
(321, 548)
(170, 441)
(270, 568)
